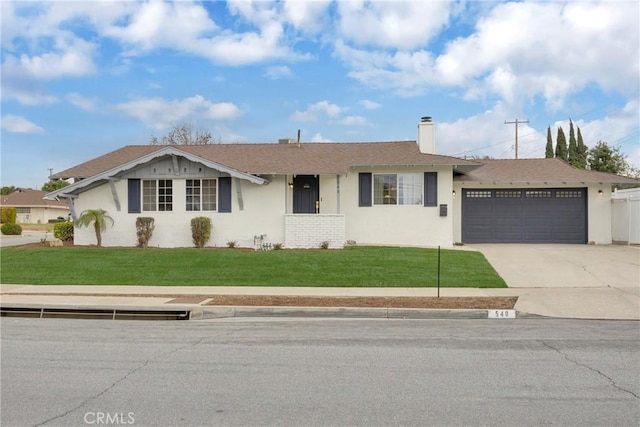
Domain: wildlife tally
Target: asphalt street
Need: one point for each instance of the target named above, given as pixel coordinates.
(250, 372)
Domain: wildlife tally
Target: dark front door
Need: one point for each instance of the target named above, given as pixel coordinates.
(306, 193)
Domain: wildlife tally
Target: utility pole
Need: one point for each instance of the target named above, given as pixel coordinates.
(516, 121)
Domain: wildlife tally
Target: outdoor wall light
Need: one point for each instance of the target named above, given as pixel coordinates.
(291, 185)
(600, 192)
(454, 193)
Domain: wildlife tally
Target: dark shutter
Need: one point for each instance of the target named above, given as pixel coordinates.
(365, 192)
(134, 195)
(224, 194)
(431, 188)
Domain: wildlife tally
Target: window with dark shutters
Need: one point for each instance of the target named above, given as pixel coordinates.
(364, 190)
(431, 188)
(224, 194)
(134, 195)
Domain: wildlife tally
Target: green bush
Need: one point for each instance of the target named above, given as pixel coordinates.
(144, 229)
(8, 215)
(63, 231)
(11, 229)
(201, 230)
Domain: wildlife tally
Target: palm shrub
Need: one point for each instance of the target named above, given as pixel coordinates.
(201, 230)
(99, 218)
(144, 229)
(63, 231)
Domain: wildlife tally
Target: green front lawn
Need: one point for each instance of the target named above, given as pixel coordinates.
(351, 267)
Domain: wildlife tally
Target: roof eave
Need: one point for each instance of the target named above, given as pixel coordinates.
(97, 179)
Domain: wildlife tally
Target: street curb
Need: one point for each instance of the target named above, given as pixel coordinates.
(197, 312)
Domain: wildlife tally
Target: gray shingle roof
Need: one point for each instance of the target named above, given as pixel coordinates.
(538, 171)
(28, 198)
(308, 158)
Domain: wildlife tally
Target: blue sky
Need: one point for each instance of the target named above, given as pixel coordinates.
(80, 79)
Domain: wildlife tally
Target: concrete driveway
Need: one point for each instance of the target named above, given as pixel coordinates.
(579, 281)
(25, 238)
(564, 266)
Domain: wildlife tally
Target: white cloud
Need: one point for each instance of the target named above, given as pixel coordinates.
(307, 16)
(400, 25)
(160, 113)
(486, 134)
(509, 56)
(312, 111)
(353, 121)
(159, 24)
(82, 102)
(319, 138)
(278, 72)
(17, 124)
(369, 105)
(223, 111)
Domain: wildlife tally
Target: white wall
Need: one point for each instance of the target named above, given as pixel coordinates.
(398, 225)
(263, 213)
(41, 215)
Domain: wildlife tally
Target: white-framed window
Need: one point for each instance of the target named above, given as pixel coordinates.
(157, 195)
(201, 194)
(398, 189)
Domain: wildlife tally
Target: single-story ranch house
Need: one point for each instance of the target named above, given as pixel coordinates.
(32, 207)
(304, 194)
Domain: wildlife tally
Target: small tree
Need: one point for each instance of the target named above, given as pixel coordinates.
(572, 155)
(54, 185)
(7, 190)
(200, 230)
(548, 152)
(561, 145)
(582, 152)
(183, 134)
(144, 229)
(8, 215)
(99, 218)
(607, 159)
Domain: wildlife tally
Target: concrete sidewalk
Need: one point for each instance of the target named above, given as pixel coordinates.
(601, 302)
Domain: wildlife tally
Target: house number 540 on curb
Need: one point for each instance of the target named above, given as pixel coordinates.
(502, 314)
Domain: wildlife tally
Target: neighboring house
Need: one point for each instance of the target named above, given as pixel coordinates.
(33, 208)
(304, 194)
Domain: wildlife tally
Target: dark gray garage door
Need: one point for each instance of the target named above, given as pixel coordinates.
(524, 215)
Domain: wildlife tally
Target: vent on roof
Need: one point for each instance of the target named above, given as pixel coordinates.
(286, 141)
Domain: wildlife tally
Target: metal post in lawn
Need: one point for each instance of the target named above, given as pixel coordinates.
(438, 271)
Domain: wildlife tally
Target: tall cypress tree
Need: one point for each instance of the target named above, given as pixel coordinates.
(572, 155)
(561, 145)
(548, 152)
(583, 150)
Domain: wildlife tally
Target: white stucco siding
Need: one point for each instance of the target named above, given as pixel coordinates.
(599, 214)
(598, 206)
(41, 215)
(415, 225)
(262, 213)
